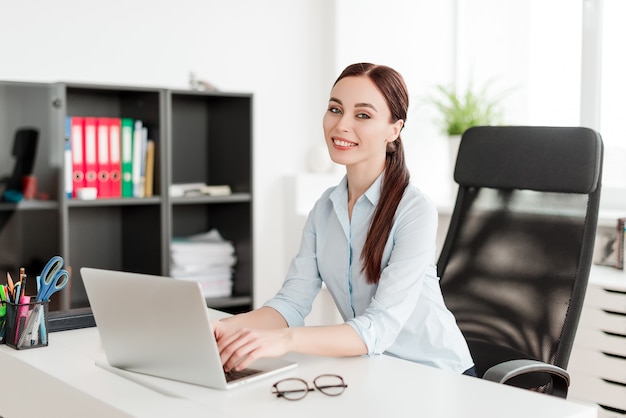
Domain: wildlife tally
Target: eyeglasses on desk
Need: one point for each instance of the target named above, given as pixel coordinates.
(294, 388)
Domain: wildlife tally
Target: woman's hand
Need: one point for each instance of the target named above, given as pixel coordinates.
(244, 338)
(241, 347)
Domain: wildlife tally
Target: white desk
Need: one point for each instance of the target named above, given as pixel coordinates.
(62, 380)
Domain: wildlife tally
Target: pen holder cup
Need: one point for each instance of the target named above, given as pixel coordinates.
(25, 325)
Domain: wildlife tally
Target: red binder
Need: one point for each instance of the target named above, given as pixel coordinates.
(104, 165)
(78, 156)
(91, 152)
(115, 156)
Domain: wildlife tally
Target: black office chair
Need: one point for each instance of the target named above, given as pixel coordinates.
(515, 262)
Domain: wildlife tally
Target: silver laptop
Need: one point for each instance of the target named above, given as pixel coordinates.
(161, 327)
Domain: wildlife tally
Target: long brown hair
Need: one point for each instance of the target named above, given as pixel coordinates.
(392, 86)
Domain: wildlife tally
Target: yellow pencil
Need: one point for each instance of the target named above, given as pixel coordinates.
(11, 285)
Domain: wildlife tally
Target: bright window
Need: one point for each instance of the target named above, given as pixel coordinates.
(565, 62)
(613, 94)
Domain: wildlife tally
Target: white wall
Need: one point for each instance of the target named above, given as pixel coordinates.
(287, 53)
(416, 37)
(280, 50)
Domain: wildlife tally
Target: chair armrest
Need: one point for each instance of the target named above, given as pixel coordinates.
(503, 372)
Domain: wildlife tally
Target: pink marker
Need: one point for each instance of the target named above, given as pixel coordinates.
(22, 315)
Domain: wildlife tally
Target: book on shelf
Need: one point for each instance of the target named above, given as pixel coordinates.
(78, 157)
(199, 189)
(68, 181)
(115, 157)
(127, 157)
(104, 162)
(142, 161)
(91, 152)
(139, 139)
(149, 174)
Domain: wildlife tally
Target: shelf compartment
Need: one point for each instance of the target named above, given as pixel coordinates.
(122, 102)
(211, 139)
(28, 239)
(115, 102)
(28, 105)
(116, 237)
(234, 223)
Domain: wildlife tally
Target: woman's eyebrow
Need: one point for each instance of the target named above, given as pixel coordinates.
(371, 106)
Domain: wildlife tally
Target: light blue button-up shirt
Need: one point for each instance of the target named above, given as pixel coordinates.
(404, 315)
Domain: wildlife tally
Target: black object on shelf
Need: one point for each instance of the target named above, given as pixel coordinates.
(24, 151)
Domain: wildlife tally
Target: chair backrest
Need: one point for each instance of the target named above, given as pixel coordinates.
(515, 262)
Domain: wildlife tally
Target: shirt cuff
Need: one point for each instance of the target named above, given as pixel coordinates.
(291, 315)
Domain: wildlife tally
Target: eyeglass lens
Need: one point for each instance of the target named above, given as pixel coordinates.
(330, 384)
(291, 389)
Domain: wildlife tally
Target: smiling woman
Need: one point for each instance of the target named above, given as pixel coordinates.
(376, 103)
(370, 240)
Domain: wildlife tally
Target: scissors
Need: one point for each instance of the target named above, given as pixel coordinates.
(53, 278)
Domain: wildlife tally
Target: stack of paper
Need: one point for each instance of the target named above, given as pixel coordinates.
(205, 258)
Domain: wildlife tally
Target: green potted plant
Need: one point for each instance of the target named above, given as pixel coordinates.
(460, 111)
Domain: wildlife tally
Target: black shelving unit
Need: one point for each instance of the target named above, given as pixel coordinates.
(200, 137)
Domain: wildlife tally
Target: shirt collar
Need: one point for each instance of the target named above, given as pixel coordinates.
(373, 193)
(339, 196)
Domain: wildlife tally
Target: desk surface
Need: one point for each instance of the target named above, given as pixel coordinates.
(62, 380)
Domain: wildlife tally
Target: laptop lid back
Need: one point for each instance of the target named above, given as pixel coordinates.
(154, 325)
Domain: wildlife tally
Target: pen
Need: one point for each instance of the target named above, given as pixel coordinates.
(22, 282)
(16, 292)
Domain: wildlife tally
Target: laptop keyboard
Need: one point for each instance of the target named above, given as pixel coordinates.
(238, 374)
